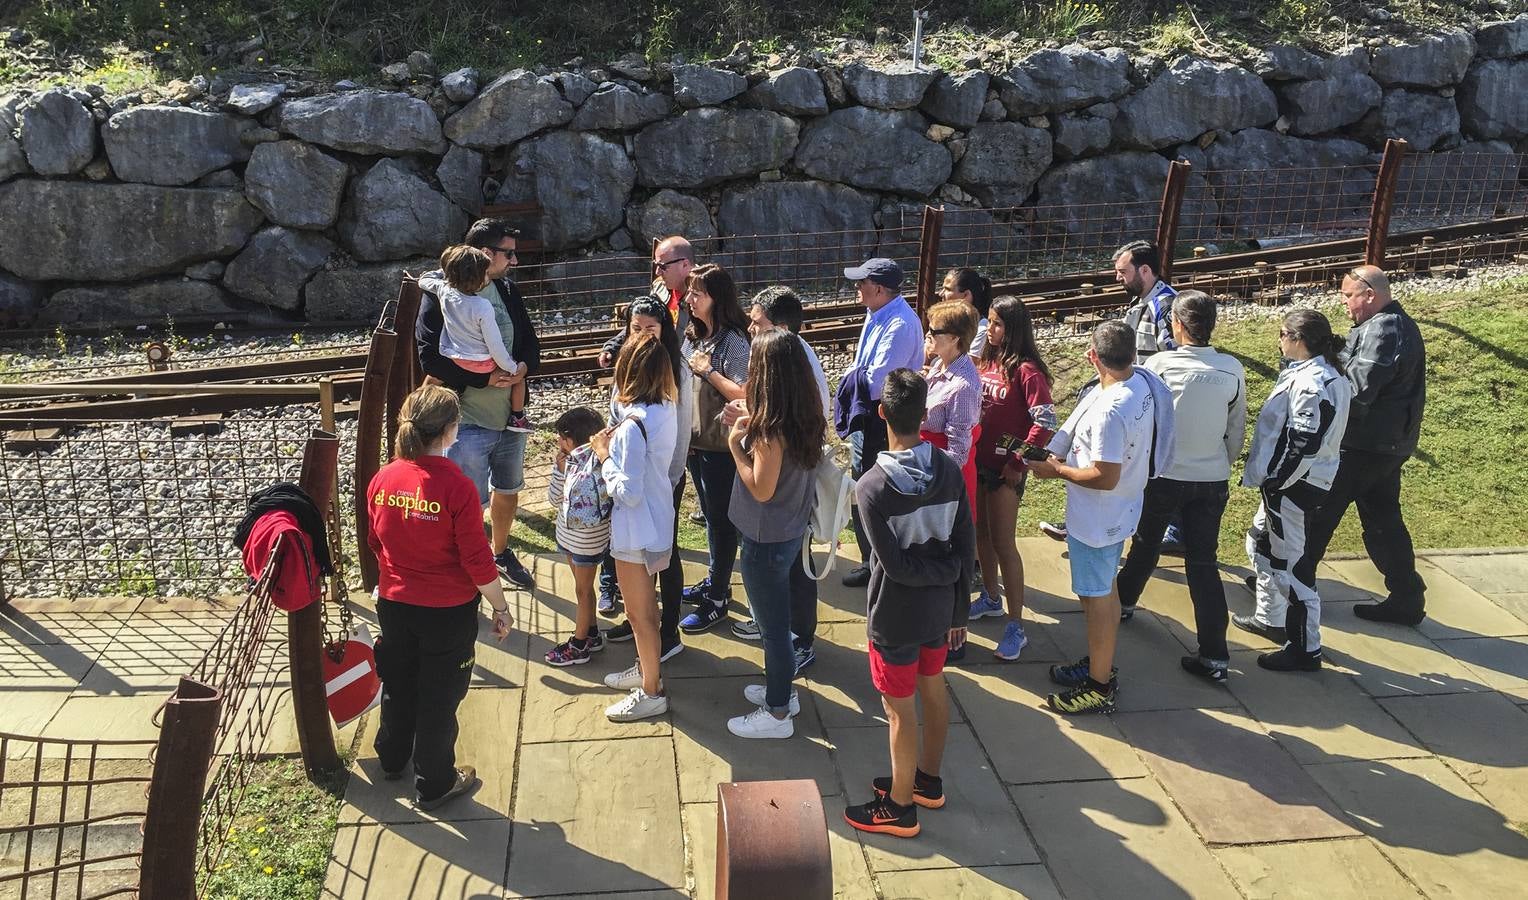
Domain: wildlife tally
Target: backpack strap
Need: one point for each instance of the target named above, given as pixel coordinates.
(638, 421)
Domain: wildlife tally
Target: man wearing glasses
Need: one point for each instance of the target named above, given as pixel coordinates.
(673, 260)
(1386, 364)
(490, 454)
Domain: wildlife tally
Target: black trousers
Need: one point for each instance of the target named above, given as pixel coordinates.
(1198, 507)
(714, 472)
(671, 581)
(863, 448)
(1373, 482)
(803, 606)
(424, 658)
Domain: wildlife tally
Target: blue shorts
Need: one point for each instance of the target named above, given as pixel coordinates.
(492, 459)
(581, 559)
(1093, 568)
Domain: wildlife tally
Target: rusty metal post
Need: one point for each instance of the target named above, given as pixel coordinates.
(171, 823)
(406, 374)
(368, 436)
(305, 627)
(772, 841)
(1167, 215)
(326, 421)
(928, 258)
(1384, 201)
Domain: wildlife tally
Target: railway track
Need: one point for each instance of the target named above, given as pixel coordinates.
(1254, 275)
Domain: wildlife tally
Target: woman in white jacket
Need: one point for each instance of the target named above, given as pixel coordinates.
(1292, 462)
(635, 454)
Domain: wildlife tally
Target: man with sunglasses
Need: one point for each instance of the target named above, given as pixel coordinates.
(673, 260)
(1387, 366)
(490, 454)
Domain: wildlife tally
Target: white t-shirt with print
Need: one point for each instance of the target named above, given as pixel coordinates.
(1113, 425)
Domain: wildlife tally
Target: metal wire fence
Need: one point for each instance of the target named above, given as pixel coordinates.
(1240, 209)
(1039, 241)
(1437, 189)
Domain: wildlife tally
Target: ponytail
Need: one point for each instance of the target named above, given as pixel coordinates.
(1314, 330)
(426, 415)
(978, 285)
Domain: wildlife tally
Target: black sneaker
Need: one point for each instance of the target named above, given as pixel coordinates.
(958, 654)
(697, 592)
(1290, 660)
(859, 576)
(928, 790)
(466, 780)
(1393, 610)
(1196, 666)
(620, 634)
(1274, 633)
(1126, 612)
(703, 618)
(392, 776)
(596, 639)
(1085, 698)
(512, 571)
(883, 816)
(670, 650)
(1076, 673)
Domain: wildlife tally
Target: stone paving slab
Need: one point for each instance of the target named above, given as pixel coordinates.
(1488, 573)
(1147, 658)
(449, 861)
(1483, 737)
(1515, 602)
(851, 875)
(123, 718)
(1039, 627)
(575, 832)
(1499, 663)
(569, 704)
(27, 711)
(1234, 784)
(1327, 870)
(1391, 660)
(978, 883)
(1430, 823)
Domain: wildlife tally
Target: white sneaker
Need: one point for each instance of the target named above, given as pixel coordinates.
(761, 723)
(754, 693)
(625, 681)
(637, 705)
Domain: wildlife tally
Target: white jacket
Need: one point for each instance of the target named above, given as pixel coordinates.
(636, 475)
(1299, 430)
(1209, 411)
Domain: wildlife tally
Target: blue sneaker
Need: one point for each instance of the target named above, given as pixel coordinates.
(805, 656)
(703, 618)
(1076, 673)
(1013, 642)
(697, 592)
(609, 603)
(985, 605)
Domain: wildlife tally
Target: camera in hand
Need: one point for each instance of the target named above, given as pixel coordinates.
(1031, 452)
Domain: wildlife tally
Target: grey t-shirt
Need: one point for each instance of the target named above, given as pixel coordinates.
(784, 516)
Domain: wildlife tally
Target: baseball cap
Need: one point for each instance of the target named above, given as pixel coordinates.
(880, 270)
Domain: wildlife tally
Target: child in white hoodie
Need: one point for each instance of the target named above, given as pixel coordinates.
(470, 335)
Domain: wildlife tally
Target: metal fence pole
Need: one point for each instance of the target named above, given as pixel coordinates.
(1384, 201)
(1167, 215)
(772, 841)
(368, 437)
(928, 257)
(406, 374)
(305, 627)
(171, 823)
(326, 421)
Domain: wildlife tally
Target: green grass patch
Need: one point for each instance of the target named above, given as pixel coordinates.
(281, 836)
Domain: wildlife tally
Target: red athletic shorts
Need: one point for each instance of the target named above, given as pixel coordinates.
(894, 670)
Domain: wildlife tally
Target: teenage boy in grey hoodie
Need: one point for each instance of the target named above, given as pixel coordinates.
(917, 520)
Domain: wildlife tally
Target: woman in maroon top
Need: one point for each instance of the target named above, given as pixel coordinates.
(433, 564)
(1016, 411)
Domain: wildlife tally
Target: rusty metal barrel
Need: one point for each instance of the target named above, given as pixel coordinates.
(772, 841)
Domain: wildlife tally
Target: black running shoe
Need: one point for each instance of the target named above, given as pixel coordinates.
(620, 634)
(928, 790)
(1196, 666)
(883, 816)
(859, 576)
(512, 571)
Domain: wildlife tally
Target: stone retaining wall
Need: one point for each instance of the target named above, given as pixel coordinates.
(309, 200)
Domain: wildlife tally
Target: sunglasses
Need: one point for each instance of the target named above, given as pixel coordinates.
(663, 266)
(1357, 275)
(506, 252)
(935, 332)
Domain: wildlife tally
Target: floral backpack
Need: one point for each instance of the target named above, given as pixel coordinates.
(586, 500)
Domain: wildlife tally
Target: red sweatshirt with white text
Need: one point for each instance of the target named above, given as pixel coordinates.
(427, 532)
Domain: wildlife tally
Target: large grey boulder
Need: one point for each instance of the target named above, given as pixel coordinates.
(1423, 120)
(796, 91)
(827, 227)
(1435, 60)
(374, 123)
(575, 87)
(1191, 97)
(873, 148)
(390, 213)
(461, 85)
(1503, 40)
(358, 294)
(1343, 96)
(1493, 100)
(275, 264)
(894, 86)
(956, 100)
(702, 147)
(65, 230)
(616, 107)
(1080, 135)
(1271, 185)
(580, 180)
(172, 145)
(58, 134)
(669, 212)
(296, 184)
(13, 159)
(1003, 161)
(1111, 199)
(515, 105)
(696, 86)
(1070, 78)
(460, 174)
(137, 304)
(19, 300)
(253, 99)
(1282, 62)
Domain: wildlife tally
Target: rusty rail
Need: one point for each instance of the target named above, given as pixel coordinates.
(1384, 201)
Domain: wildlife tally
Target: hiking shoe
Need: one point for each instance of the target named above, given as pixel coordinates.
(670, 650)
(1274, 633)
(859, 576)
(466, 780)
(1076, 673)
(620, 634)
(1289, 659)
(984, 605)
(625, 681)
(392, 776)
(761, 723)
(928, 790)
(519, 422)
(1392, 610)
(748, 630)
(703, 618)
(1126, 612)
(638, 704)
(883, 816)
(754, 693)
(608, 604)
(698, 517)
(1014, 640)
(569, 653)
(511, 570)
(697, 592)
(1056, 531)
(1085, 698)
(805, 656)
(1209, 672)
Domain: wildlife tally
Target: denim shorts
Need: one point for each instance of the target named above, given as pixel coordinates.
(1093, 568)
(581, 559)
(492, 459)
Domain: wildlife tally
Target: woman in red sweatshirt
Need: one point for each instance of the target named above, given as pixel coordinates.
(1016, 410)
(434, 563)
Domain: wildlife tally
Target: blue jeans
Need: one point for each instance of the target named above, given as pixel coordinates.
(766, 577)
(714, 472)
(492, 459)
